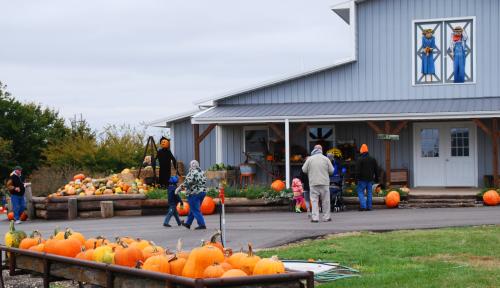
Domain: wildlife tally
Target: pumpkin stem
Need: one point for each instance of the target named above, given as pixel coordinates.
(250, 249)
(214, 237)
(56, 230)
(67, 233)
(172, 258)
(139, 264)
(36, 234)
(11, 226)
(179, 243)
(275, 258)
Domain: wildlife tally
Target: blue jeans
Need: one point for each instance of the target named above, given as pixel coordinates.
(194, 209)
(307, 197)
(18, 205)
(365, 203)
(172, 211)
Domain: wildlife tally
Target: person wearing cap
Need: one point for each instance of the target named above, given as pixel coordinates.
(166, 159)
(173, 200)
(318, 169)
(457, 52)
(16, 190)
(366, 175)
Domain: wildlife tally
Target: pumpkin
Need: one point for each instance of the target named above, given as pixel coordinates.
(71, 191)
(278, 185)
(392, 199)
(177, 265)
(34, 239)
(185, 210)
(207, 206)
(234, 273)
(199, 259)
(235, 259)
(38, 248)
(86, 255)
(22, 217)
(213, 241)
(128, 256)
(269, 266)
(79, 177)
(104, 254)
(68, 247)
(491, 198)
(14, 237)
(127, 240)
(10, 216)
(152, 250)
(107, 192)
(158, 263)
(248, 262)
(51, 246)
(140, 244)
(214, 271)
(93, 243)
(226, 266)
(77, 236)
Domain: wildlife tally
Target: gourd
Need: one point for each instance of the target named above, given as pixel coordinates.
(104, 254)
(14, 237)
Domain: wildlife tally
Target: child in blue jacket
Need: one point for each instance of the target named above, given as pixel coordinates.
(173, 200)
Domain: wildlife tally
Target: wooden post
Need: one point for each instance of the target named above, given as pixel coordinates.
(287, 153)
(72, 208)
(388, 155)
(196, 134)
(494, 138)
(107, 209)
(28, 194)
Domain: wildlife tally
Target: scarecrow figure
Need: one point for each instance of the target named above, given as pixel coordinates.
(457, 52)
(428, 46)
(165, 158)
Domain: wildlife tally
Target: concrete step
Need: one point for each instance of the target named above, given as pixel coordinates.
(443, 200)
(439, 205)
(440, 196)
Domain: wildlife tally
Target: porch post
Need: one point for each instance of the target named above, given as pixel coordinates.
(218, 144)
(287, 153)
(196, 136)
(494, 138)
(388, 154)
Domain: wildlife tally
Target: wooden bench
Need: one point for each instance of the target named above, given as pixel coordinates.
(399, 177)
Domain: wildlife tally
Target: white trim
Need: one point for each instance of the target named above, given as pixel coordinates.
(353, 118)
(254, 127)
(287, 153)
(218, 144)
(443, 60)
(164, 122)
(172, 138)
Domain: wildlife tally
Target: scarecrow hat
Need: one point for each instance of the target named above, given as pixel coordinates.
(425, 31)
(18, 168)
(458, 29)
(164, 138)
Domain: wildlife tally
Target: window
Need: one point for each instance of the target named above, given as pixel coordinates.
(443, 51)
(322, 135)
(429, 142)
(256, 140)
(460, 142)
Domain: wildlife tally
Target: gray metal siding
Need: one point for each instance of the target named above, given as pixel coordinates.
(184, 144)
(232, 146)
(384, 67)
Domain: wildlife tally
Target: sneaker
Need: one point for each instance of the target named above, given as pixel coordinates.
(297, 210)
(314, 221)
(200, 228)
(18, 222)
(361, 209)
(167, 225)
(186, 225)
(328, 220)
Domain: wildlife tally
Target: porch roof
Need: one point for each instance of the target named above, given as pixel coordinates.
(416, 109)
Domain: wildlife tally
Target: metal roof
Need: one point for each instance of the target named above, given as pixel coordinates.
(351, 111)
(165, 122)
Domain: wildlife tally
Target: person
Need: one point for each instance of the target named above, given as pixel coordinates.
(458, 53)
(319, 168)
(366, 174)
(196, 187)
(428, 46)
(16, 190)
(298, 194)
(305, 185)
(173, 200)
(166, 159)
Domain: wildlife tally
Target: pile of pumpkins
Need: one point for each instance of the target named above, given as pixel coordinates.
(114, 184)
(207, 207)
(210, 260)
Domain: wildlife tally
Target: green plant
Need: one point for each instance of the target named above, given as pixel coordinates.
(220, 167)
(157, 193)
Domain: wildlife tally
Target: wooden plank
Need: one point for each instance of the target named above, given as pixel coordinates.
(39, 199)
(107, 209)
(374, 127)
(29, 201)
(40, 206)
(196, 137)
(127, 204)
(89, 214)
(41, 214)
(89, 205)
(495, 151)
(482, 126)
(98, 198)
(206, 133)
(72, 208)
(277, 130)
(400, 127)
(57, 206)
(154, 203)
(137, 212)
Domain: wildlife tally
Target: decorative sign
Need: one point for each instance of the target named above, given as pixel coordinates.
(388, 137)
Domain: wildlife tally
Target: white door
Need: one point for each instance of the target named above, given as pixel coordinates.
(445, 154)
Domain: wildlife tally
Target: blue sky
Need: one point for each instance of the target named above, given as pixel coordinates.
(122, 61)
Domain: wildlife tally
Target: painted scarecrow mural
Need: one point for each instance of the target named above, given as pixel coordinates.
(443, 51)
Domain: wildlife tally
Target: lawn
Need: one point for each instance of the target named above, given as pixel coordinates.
(451, 257)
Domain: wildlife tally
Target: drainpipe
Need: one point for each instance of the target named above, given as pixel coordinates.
(287, 153)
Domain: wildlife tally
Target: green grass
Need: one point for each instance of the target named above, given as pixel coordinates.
(452, 257)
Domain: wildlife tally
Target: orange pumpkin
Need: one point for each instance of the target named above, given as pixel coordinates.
(152, 250)
(235, 259)
(80, 177)
(38, 248)
(23, 216)
(127, 240)
(177, 265)
(213, 241)
(234, 273)
(214, 271)
(34, 239)
(158, 263)
(207, 206)
(185, 210)
(491, 198)
(140, 244)
(269, 266)
(392, 199)
(278, 185)
(77, 236)
(226, 266)
(128, 256)
(248, 262)
(10, 216)
(68, 247)
(51, 246)
(86, 255)
(93, 243)
(199, 259)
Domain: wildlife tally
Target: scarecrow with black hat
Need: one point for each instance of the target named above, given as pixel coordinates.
(165, 158)
(457, 52)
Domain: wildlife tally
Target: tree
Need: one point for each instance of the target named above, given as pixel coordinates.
(28, 128)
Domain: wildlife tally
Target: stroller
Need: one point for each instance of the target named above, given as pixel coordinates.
(336, 187)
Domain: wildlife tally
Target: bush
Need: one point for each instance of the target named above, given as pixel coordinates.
(157, 193)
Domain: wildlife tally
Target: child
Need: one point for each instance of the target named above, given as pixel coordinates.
(173, 200)
(298, 194)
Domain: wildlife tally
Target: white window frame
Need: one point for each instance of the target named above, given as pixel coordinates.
(334, 135)
(254, 128)
(473, 46)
